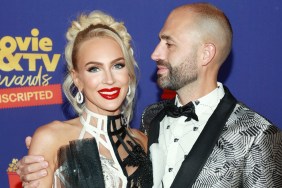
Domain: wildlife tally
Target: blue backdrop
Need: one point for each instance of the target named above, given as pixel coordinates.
(32, 40)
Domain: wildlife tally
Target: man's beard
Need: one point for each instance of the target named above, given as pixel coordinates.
(180, 76)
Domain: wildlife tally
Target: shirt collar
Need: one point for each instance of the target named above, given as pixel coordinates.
(211, 98)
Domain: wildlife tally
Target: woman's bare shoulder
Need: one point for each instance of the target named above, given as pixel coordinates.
(51, 129)
(55, 128)
(52, 135)
(45, 137)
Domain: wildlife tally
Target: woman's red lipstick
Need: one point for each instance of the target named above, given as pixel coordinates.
(110, 93)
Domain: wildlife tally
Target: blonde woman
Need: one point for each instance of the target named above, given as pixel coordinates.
(96, 149)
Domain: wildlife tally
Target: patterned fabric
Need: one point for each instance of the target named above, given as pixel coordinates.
(246, 153)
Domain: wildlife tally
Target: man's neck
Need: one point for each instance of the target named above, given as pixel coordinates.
(193, 92)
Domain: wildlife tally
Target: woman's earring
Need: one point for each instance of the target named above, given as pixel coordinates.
(129, 91)
(79, 97)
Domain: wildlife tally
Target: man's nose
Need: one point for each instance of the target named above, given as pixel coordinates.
(157, 53)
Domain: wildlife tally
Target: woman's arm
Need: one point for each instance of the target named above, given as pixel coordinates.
(31, 168)
(44, 143)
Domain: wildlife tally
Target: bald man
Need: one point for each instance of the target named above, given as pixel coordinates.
(214, 140)
(204, 137)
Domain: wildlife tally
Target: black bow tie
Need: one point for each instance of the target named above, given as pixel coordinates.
(187, 110)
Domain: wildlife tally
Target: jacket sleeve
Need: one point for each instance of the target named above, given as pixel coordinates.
(149, 114)
(263, 164)
(144, 127)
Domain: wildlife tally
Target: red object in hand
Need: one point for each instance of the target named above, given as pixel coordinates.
(14, 180)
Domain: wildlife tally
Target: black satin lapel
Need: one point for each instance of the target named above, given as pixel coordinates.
(153, 134)
(154, 128)
(196, 159)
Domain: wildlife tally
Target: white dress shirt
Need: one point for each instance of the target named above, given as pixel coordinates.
(177, 137)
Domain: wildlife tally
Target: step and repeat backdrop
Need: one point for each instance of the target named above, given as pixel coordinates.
(32, 41)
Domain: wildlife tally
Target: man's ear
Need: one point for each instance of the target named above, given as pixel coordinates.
(208, 54)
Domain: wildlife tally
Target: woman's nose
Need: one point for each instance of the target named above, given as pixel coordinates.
(109, 77)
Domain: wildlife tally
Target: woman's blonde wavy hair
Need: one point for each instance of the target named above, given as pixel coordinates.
(98, 24)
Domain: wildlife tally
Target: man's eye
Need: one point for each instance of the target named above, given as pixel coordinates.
(93, 69)
(168, 44)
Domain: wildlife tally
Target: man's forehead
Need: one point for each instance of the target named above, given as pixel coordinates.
(168, 32)
(180, 18)
(175, 26)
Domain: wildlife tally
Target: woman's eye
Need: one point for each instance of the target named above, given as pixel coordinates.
(119, 65)
(93, 69)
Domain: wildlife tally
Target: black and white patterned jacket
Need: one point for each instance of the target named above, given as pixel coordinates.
(237, 148)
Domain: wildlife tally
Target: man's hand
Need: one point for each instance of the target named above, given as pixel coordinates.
(28, 141)
(31, 168)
